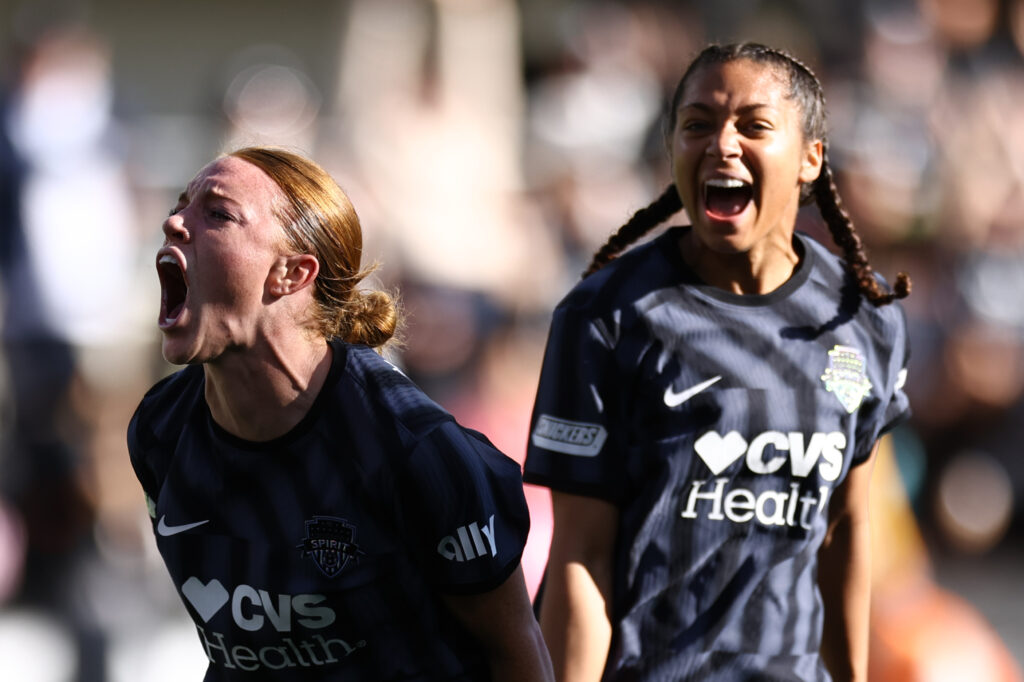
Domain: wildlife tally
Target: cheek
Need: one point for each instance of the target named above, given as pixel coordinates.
(781, 172)
(235, 276)
(683, 175)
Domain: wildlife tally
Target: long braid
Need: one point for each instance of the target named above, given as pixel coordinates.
(807, 90)
(826, 194)
(642, 222)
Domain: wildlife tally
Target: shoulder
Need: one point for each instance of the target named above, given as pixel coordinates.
(158, 422)
(166, 406)
(626, 279)
(832, 275)
(386, 393)
(827, 268)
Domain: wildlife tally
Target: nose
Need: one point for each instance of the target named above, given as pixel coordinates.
(724, 143)
(174, 228)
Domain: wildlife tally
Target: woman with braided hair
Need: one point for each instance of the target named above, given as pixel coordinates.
(710, 404)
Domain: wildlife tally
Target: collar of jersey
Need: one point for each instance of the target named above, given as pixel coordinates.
(695, 283)
(338, 360)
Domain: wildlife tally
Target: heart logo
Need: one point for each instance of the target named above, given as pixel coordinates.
(205, 599)
(718, 452)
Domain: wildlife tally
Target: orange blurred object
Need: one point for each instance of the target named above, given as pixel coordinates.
(931, 635)
(921, 632)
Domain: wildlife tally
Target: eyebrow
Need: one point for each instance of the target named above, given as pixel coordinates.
(745, 109)
(204, 191)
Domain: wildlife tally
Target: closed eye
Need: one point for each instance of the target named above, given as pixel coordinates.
(220, 216)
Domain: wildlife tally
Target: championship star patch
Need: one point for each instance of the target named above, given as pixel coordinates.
(845, 377)
(331, 543)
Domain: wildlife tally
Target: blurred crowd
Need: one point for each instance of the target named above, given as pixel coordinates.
(489, 147)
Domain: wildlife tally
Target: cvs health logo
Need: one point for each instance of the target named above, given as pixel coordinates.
(767, 452)
(252, 609)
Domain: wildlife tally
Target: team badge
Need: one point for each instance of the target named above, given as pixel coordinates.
(845, 377)
(331, 543)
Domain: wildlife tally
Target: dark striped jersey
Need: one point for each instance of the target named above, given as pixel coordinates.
(322, 555)
(719, 425)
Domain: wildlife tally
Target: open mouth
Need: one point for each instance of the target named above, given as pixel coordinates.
(726, 197)
(173, 289)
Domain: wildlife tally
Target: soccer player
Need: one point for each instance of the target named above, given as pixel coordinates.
(710, 403)
(321, 518)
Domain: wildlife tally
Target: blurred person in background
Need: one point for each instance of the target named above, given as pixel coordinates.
(68, 252)
(777, 341)
(432, 122)
(433, 99)
(355, 528)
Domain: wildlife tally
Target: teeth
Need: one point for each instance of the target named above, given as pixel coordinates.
(726, 183)
(167, 258)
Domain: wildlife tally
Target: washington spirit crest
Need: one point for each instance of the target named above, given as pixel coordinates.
(331, 543)
(845, 377)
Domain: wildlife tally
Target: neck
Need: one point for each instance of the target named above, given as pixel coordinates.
(262, 393)
(761, 270)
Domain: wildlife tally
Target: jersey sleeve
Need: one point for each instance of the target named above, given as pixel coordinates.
(463, 500)
(153, 428)
(895, 406)
(139, 443)
(572, 444)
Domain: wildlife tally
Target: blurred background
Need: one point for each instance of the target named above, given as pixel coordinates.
(489, 146)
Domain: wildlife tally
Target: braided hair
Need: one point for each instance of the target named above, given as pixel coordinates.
(806, 90)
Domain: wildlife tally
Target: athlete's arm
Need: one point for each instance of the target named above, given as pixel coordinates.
(503, 622)
(844, 575)
(576, 605)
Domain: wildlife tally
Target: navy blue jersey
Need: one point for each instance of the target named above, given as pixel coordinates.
(719, 425)
(322, 555)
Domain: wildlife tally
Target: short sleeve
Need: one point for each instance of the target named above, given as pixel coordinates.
(572, 440)
(156, 425)
(897, 409)
(142, 448)
(895, 405)
(463, 500)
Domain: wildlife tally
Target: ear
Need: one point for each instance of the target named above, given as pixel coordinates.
(292, 273)
(810, 165)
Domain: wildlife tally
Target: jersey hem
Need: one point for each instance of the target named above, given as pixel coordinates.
(479, 587)
(571, 487)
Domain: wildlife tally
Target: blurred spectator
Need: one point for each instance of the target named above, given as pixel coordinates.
(435, 129)
(68, 260)
(586, 152)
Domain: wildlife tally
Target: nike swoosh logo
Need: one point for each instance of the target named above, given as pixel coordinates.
(673, 399)
(167, 531)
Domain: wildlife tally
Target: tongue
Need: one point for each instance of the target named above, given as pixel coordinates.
(727, 202)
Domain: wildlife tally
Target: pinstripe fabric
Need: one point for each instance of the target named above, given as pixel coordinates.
(724, 423)
(322, 553)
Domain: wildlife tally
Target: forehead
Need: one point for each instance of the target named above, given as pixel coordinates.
(740, 81)
(235, 179)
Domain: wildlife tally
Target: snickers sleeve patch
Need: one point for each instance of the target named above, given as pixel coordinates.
(571, 446)
(463, 500)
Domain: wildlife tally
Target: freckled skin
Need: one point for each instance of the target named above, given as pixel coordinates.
(229, 239)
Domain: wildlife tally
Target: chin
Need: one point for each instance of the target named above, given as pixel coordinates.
(177, 353)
